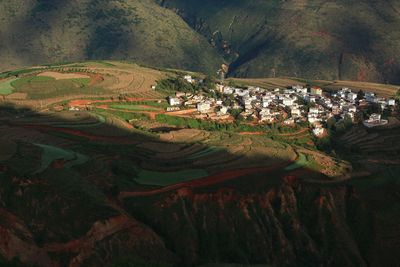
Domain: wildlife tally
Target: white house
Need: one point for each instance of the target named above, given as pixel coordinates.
(318, 131)
(288, 101)
(296, 112)
(313, 118)
(391, 102)
(266, 102)
(189, 79)
(223, 110)
(203, 107)
(228, 90)
(173, 101)
(289, 121)
(351, 97)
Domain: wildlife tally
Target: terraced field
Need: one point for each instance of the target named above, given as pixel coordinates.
(90, 79)
(377, 146)
(184, 152)
(385, 90)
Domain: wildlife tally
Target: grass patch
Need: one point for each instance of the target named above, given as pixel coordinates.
(167, 178)
(301, 162)
(133, 107)
(6, 87)
(51, 153)
(40, 87)
(123, 115)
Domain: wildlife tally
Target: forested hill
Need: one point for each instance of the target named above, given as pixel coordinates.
(355, 40)
(48, 31)
(319, 39)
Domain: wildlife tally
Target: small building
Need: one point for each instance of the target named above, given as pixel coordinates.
(296, 112)
(289, 121)
(310, 98)
(315, 90)
(189, 79)
(288, 101)
(223, 110)
(170, 109)
(228, 90)
(391, 102)
(174, 101)
(318, 131)
(351, 96)
(374, 120)
(203, 107)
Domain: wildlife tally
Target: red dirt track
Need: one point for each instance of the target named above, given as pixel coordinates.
(207, 181)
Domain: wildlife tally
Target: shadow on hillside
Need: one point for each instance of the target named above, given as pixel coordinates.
(63, 203)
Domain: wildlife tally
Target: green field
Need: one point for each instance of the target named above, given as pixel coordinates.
(300, 163)
(51, 153)
(6, 87)
(133, 107)
(41, 87)
(167, 178)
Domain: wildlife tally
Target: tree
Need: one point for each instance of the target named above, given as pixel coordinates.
(209, 82)
(375, 108)
(397, 96)
(331, 123)
(249, 118)
(348, 121)
(360, 94)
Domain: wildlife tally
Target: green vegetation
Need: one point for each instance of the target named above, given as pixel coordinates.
(51, 153)
(31, 79)
(271, 48)
(127, 116)
(192, 123)
(41, 87)
(16, 73)
(132, 107)
(175, 84)
(102, 30)
(301, 162)
(6, 87)
(167, 178)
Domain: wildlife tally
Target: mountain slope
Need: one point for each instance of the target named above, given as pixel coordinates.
(357, 40)
(48, 31)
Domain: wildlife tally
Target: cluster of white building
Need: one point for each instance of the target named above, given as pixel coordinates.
(289, 106)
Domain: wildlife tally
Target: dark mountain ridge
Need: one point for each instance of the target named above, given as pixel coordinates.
(354, 40)
(348, 40)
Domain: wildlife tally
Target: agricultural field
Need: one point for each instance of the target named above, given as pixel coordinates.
(56, 83)
(6, 87)
(386, 90)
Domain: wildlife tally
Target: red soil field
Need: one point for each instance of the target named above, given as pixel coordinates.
(207, 181)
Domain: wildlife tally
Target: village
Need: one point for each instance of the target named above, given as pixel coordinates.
(295, 104)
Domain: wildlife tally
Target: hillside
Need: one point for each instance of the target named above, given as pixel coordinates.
(43, 31)
(347, 40)
(326, 40)
(94, 171)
